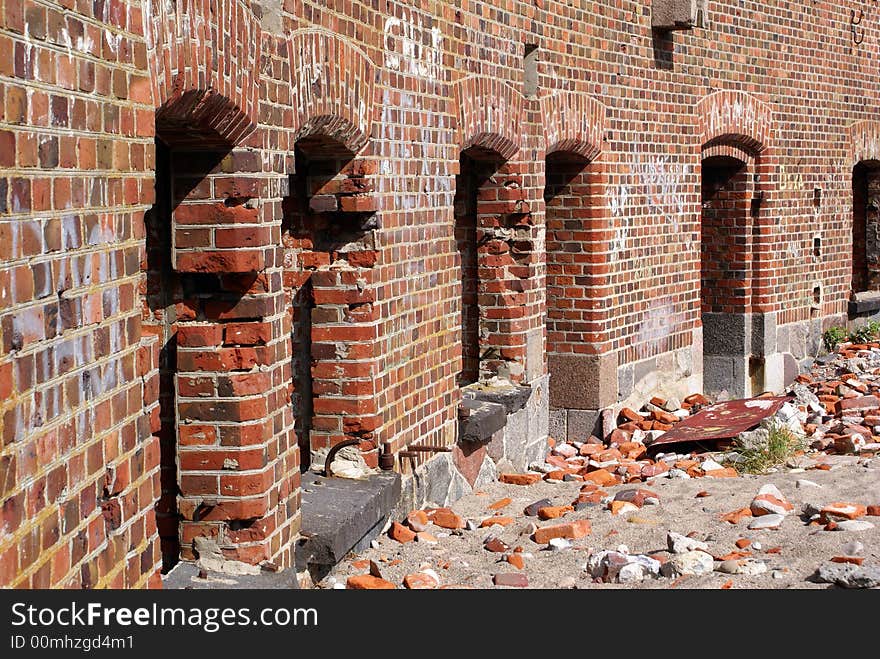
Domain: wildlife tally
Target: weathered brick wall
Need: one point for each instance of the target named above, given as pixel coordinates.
(78, 459)
(183, 334)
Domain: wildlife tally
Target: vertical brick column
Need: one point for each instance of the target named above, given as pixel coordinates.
(507, 257)
(330, 259)
(79, 461)
(238, 460)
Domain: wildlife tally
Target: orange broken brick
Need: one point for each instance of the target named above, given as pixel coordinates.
(368, 582)
(727, 472)
(855, 560)
(553, 512)
(571, 530)
(737, 515)
(519, 479)
(501, 503)
(601, 477)
(400, 533)
(732, 556)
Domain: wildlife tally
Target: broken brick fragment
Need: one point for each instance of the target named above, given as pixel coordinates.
(622, 507)
(839, 511)
(501, 503)
(601, 477)
(859, 403)
(368, 582)
(737, 515)
(496, 545)
(420, 581)
(446, 518)
(637, 497)
(417, 520)
(570, 531)
(511, 579)
(400, 533)
(855, 560)
(519, 479)
(553, 512)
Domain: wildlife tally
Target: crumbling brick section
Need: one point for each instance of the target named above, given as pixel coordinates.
(239, 475)
(866, 227)
(494, 216)
(329, 276)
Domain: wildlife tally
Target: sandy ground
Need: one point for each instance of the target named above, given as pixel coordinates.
(792, 553)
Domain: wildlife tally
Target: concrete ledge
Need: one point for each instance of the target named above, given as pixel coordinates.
(865, 302)
(512, 398)
(342, 515)
(479, 420)
(185, 576)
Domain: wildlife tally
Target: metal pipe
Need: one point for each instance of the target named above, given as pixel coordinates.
(334, 450)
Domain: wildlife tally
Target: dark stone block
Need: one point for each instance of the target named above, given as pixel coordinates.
(482, 421)
(185, 576)
(340, 514)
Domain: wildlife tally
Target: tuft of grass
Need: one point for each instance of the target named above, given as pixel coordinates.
(781, 445)
(832, 336)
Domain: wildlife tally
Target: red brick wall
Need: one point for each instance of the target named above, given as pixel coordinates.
(79, 464)
(404, 90)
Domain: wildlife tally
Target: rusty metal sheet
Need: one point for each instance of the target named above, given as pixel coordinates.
(722, 420)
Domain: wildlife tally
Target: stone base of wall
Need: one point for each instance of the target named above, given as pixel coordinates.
(471, 465)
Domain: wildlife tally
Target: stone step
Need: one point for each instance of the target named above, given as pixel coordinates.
(341, 515)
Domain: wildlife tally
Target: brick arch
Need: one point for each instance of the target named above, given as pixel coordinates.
(489, 115)
(734, 118)
(864, 141)
(331, 88)
(573, 122)
(204, 59)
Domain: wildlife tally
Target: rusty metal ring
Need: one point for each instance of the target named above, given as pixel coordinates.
(333, 451)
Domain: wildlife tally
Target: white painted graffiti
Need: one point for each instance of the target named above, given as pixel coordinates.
(406, 49)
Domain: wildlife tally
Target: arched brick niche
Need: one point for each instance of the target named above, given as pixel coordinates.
(735, 130)
(583, 374)
(204, 59)
(864, 159)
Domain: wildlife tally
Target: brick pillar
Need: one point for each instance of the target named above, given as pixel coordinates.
(329, 263)
(507, 260)
(238, 460)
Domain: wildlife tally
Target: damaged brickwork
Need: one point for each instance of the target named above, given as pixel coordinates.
(236, 233)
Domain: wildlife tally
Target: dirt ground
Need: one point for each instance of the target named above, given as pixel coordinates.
(792, 553)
